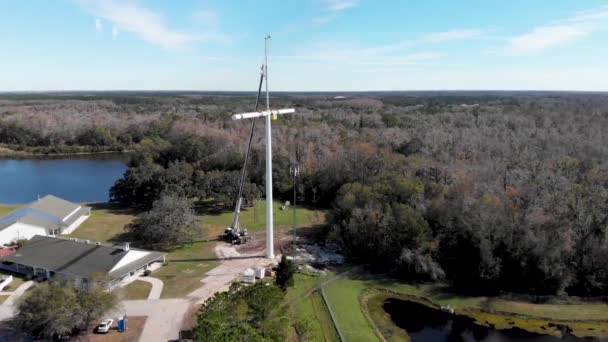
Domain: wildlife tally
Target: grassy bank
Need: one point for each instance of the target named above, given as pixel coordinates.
(8, 152)
(306, 308)
(347, 294)
(313, 311)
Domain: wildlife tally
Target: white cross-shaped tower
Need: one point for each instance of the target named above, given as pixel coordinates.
(269, 115)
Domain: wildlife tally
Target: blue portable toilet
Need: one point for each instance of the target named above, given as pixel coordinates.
(122, 323)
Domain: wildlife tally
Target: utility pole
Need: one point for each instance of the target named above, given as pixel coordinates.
(269, 115)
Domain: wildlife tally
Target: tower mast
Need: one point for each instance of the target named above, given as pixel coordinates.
(269, 203)
(269, 115)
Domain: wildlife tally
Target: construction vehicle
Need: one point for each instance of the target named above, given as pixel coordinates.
(235, 234)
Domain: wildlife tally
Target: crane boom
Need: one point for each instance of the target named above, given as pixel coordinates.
(236, 230)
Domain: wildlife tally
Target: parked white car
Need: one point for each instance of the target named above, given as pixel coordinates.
(105, 326)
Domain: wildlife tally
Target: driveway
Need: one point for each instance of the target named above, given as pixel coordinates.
(231, 268)
(165, 316)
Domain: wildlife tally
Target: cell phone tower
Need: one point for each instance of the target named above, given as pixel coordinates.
(269, 115)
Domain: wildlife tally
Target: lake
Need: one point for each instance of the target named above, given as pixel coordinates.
(78, 179)
(423, 324)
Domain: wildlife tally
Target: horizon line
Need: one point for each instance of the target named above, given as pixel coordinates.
(3, 92)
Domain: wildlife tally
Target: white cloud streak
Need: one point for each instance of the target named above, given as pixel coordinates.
(206, 18)
(332, 9)
(340, 5)
(559, 33)
(129, 16)
(546, 37)
(98, 25)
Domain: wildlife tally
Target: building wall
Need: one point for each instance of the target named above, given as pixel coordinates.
(20, 231)
(75, 225)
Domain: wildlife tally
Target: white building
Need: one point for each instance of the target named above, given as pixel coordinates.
(48, 216)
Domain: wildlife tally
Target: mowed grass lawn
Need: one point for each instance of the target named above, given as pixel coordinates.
(254, 218)
(313, 311)
(135, 290)
(187, 265)
(106, 224)
(343, 295)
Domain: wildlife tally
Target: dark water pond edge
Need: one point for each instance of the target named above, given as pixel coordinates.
(560, 327)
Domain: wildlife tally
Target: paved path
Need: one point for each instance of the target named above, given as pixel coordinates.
(157, 286)
(220, 278)
(164, 320)
(17, 293)
(7, 309)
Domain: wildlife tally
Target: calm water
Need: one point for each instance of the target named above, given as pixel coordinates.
(78, 179)
(425, 324)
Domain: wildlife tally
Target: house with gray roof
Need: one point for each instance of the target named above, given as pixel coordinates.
(81, 261)
(48, 216)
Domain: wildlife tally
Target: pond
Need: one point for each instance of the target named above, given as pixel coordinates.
(78, 179)
(423, 324)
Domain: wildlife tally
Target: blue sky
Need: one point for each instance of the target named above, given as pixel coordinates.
(316, 44)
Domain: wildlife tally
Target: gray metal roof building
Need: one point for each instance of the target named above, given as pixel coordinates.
(78, 258)
(49, 212)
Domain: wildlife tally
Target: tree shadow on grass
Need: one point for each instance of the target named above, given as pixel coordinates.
(212, 208)
(219, 259)
(114, 208)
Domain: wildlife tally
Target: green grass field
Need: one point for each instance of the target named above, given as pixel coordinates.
(187, 266)
(343, 295)
(106, 224)
(135, 290)
(313, 310)
(254, 218)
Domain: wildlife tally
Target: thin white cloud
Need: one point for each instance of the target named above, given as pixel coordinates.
(560, 33)
(324, 19)
(129, 16)
(547, 37)
(98, 25)
(115, 32)
(331, 9)
(340, 5)
(207, 18)
(458, 34)
(360, 57)
(585, 16)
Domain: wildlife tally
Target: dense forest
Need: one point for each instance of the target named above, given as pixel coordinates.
(490, 191)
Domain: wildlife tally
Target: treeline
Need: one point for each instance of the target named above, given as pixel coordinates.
(244, 313)
(491, 192)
